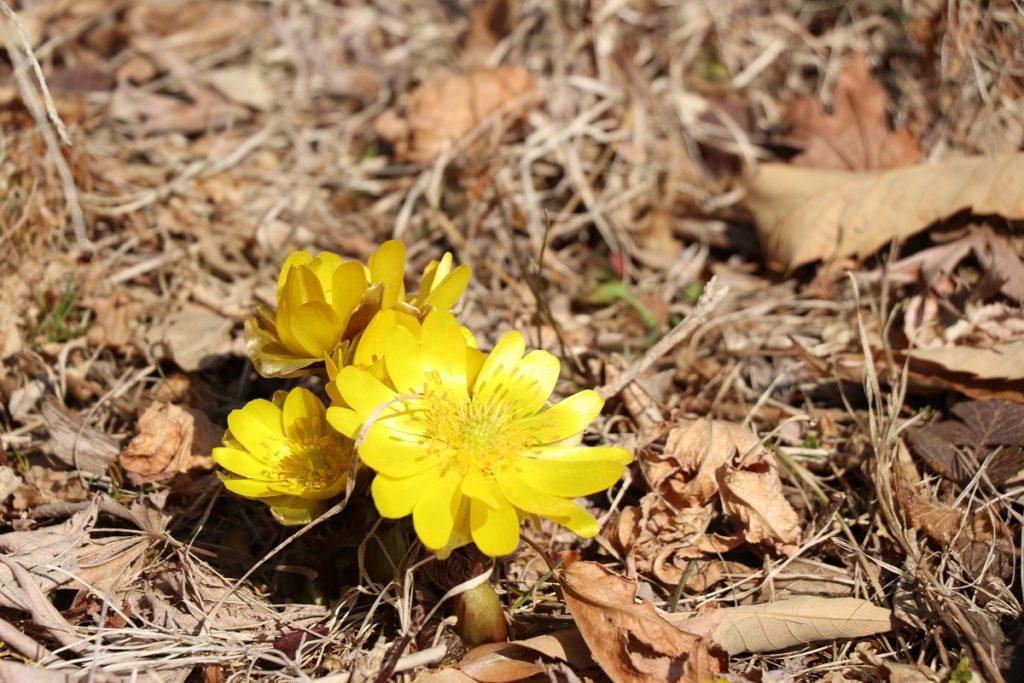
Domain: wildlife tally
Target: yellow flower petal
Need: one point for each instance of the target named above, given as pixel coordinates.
(581, 472)
(491, 382)
(395, 454)
(435, 512)
(363, 392)
(565, 419)
(434, 274)
(323, 266)
(302, 285)
(396, 498)
(296, 258)
(347, 287)
(447, 291)
(565, 512)
(303, 415)
(316, 328)
(478, 487)
(258, 427)
(404, 361)
(444, 353)
(242, 463)
(249, 488)
(387, 265)
(530, 384)
(495, 531)
(344, 420)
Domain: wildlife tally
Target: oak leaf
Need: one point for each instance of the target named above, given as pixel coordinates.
(855, 136)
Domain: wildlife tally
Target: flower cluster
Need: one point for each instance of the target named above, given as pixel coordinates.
(468, 444)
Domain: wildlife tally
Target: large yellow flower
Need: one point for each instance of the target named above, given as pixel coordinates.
(468, 445)
(285, 454)
(324, 303)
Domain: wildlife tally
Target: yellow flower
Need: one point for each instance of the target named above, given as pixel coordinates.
(468, 445)
(324, 303)
(285, 454)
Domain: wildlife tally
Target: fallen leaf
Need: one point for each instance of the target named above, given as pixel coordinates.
(489, 23)
(197, 338)
(88, 450)
(805, 215)
(981, 539)
(708, 460)
(983, 429)
(787, 623)
(855, 136)
(520, 659)
(47, 486)
(631, 642)
(999, 362)
(116, 318)
(169, 440)
(243, 84)
(445, 109)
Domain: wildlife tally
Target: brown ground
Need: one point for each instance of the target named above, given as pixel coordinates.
(596, 163)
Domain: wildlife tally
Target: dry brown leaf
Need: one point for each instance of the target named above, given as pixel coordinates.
(444, 110)
(169, 440)
(520, 659)
(708, 459)
(196, 338)
(47, 486)
(983, 429)
(999, 362)
(631, 642)
(805, 215)
(76, 444)
(787, 623)
(856, 136)
(670, 544)
(243, 84)
(489, 22)
(116, 318)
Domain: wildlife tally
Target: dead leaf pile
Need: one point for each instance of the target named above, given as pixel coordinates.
(709, 468)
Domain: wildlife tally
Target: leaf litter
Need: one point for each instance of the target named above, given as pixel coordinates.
(810, 463)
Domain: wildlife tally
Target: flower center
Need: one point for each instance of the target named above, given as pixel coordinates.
(475, 434)
(313, 463)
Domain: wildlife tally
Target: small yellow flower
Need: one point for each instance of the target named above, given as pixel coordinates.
(324, 303)
(285, 454)
(468, 445)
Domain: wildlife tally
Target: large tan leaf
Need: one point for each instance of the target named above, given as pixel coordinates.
(996, 362)
(632, 643)
(805, 215)
(779, 625)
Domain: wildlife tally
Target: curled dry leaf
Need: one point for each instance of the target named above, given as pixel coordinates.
(672, 544)
(632, 643)
(805, 215)
(444, 110)
(169, 440)
(786, 623)
(714, 461)
(855, 136)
